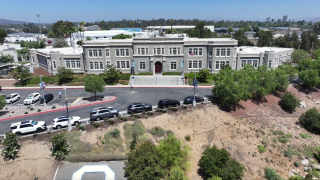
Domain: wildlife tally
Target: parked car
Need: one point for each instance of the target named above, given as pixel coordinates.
(62, 121)
(28, 127)
(32, 98)
(139, 107)
(12, 98)
(102, 112)
(190, 99)
(164, 103)
(47, 98)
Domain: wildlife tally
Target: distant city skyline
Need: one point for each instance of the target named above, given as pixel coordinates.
(97, 10)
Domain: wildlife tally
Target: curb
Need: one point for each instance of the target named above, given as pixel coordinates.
(59, 109)
(105, 88)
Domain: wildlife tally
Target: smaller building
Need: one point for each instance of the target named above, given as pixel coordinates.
(161, 29)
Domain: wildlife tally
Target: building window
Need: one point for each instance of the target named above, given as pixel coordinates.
(90, 53)
(95, 53)
(107, 52)
(219, 64)
(173, 65)
(78, 64)
(54, 64)
(91, 65)
(142, 65)
(269, 64)
(158, 51)
(210, 52)
(255, 63)
(123, 64)
(100, 53)
(200, 64)
(190, 64)
(251, 62)
(195, 51)
(73, 64)
(174, 51)
(228, 52)
(195, 64)
(96, 65)
(143, 51)
(101, 65)
(218, 52)
(139, 51)
(108, 63)
(122, 52)
(210, 65)
(223, 52)
(243, 62)
(68, 64)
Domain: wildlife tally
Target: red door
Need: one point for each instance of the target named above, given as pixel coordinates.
(158, 67)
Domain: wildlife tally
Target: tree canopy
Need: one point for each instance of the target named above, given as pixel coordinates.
(121, 36)
(62, 29)
(111, 74)
(3, 35)
(94, 84)
(33, 44)
(60, 44)
(64, 75)
(21, 74)
(242, 38)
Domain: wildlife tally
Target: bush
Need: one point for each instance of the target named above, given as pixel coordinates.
(270, 174)
(122, 118)
(261, 149)
(305, 136)
(157, 131)
(81, 128)
(277, 132)
(145, 73)
(138, 128)
(26, 113)
(289, 102)
(289, 153)
(172, 73)
(296, 164)
(187, 138)
(115, 133)
(310, 120)
(39, 110)
(217, 162)
(284, 138)
(169, 132)
(35, 135)
(184, 107)
(60, 147)
(94, 124)
(110, 122)
(123, 82)
(53, 107)
(173, 109)
(31, 109)
(11, 147)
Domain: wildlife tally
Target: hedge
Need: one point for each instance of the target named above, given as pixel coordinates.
(171, 73)
(145, 73)
(191, 75)
(46, 79)
(125, 76)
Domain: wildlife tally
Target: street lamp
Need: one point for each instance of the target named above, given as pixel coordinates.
(38, 15)
(44, 100)
(312, 51)
(69, 125)
(299, 46)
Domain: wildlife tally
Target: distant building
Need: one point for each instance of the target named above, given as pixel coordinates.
(161, 29)
(170, 53)
(17, 37)
(92, 28)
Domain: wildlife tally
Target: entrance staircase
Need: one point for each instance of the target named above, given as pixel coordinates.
(158, 80)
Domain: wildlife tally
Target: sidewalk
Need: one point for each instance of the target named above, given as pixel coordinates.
(117, 86)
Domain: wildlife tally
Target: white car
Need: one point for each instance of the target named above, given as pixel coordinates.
(62, 121)
(28, 127)
(32, 98)
(12, 98)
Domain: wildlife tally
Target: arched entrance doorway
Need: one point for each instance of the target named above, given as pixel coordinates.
(158, 67)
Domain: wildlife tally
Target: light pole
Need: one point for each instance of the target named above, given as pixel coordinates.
(312, 51)
(299, 46)
(44, 100)
(194, 89)
(38, 15)
(69, 125)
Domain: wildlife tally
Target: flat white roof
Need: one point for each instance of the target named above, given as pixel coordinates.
(258, 50)
(5, 46)
(67, 50)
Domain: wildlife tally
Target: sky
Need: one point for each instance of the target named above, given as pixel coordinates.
(97, 10)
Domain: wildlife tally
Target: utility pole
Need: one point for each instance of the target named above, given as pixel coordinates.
(38, 15)
(194, 89)
(69, 125)
(44, 100)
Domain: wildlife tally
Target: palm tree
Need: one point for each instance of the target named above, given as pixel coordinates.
(5, 59)
(23, 53)
(171, 22)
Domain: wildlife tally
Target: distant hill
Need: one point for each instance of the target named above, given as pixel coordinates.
(5, 21)
(316, 19)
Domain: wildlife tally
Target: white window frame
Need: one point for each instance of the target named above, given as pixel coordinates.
(228, 52)
(142, 65)
(195, 64)
(158, 51)
(174, 51)
(210, 52)
(72, 64)
(95, 65)
(90, 54)
(223, 52)
(209, 64)
(107, 52)
(122, 52)
(108, 63)
(249, 62)
(196, 51)
(219, 63)
(143, 51)
(218, 52)
(99, 53)
(54, 65)
(95, 52)
(126, 64)
(173, 63)
(68, 64)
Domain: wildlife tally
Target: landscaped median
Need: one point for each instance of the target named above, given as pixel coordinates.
(11, 112)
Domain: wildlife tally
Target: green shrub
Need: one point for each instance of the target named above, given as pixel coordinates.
(169, 132)
(305, 136)
(81, 128)
(277, 132)
(172, 73)
(26, 113)
(187, 138)
(289, 153)
(122, 118)
(145, 73)
(46, 79)
(123, 82)
(31, 109)
(261, 149)
(94, 124)
(35, 135)
(296, 164)
(173, 109)
(39, 110)
(176, 173)
(138, 128)
(11, 148)
(110, 122)
(283, 139)
(124, 76)
(78, 79)
(184, 107)
(115, 133)
(310, 120)
(157, 131)
(289, 102)
(271, 174)
(53, 107)
(149, 113)
(218, 162)
(60, 147)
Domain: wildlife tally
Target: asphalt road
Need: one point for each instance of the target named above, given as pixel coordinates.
(125, 96)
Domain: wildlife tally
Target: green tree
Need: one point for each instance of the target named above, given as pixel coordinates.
(310, 120)
(289, 102)
(6, 59)
(12, 147)
(309, 40)
(172, 153)
(144, 163)
(298, 55)
(23, 53)
(33, 44)
(88, 38)
(230, 30)
(173, 31)
(265, 38)
(310, 78)
(176, 173)
(203, 75)
(60, 147)
(51, 35)
(21, 74)
(316, 54)
(266, 81)
(2, 102)
(3, 35)
(61, 28)
(242, 38)
(217, 162)
(121, 36)
(94, 84)
(61, 43)
(64, 75)
(111, 74)
(282, 79)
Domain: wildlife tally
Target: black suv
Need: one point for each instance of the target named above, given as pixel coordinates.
(164, 103)
(189, 99)
(47, 98)
(139, 107)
